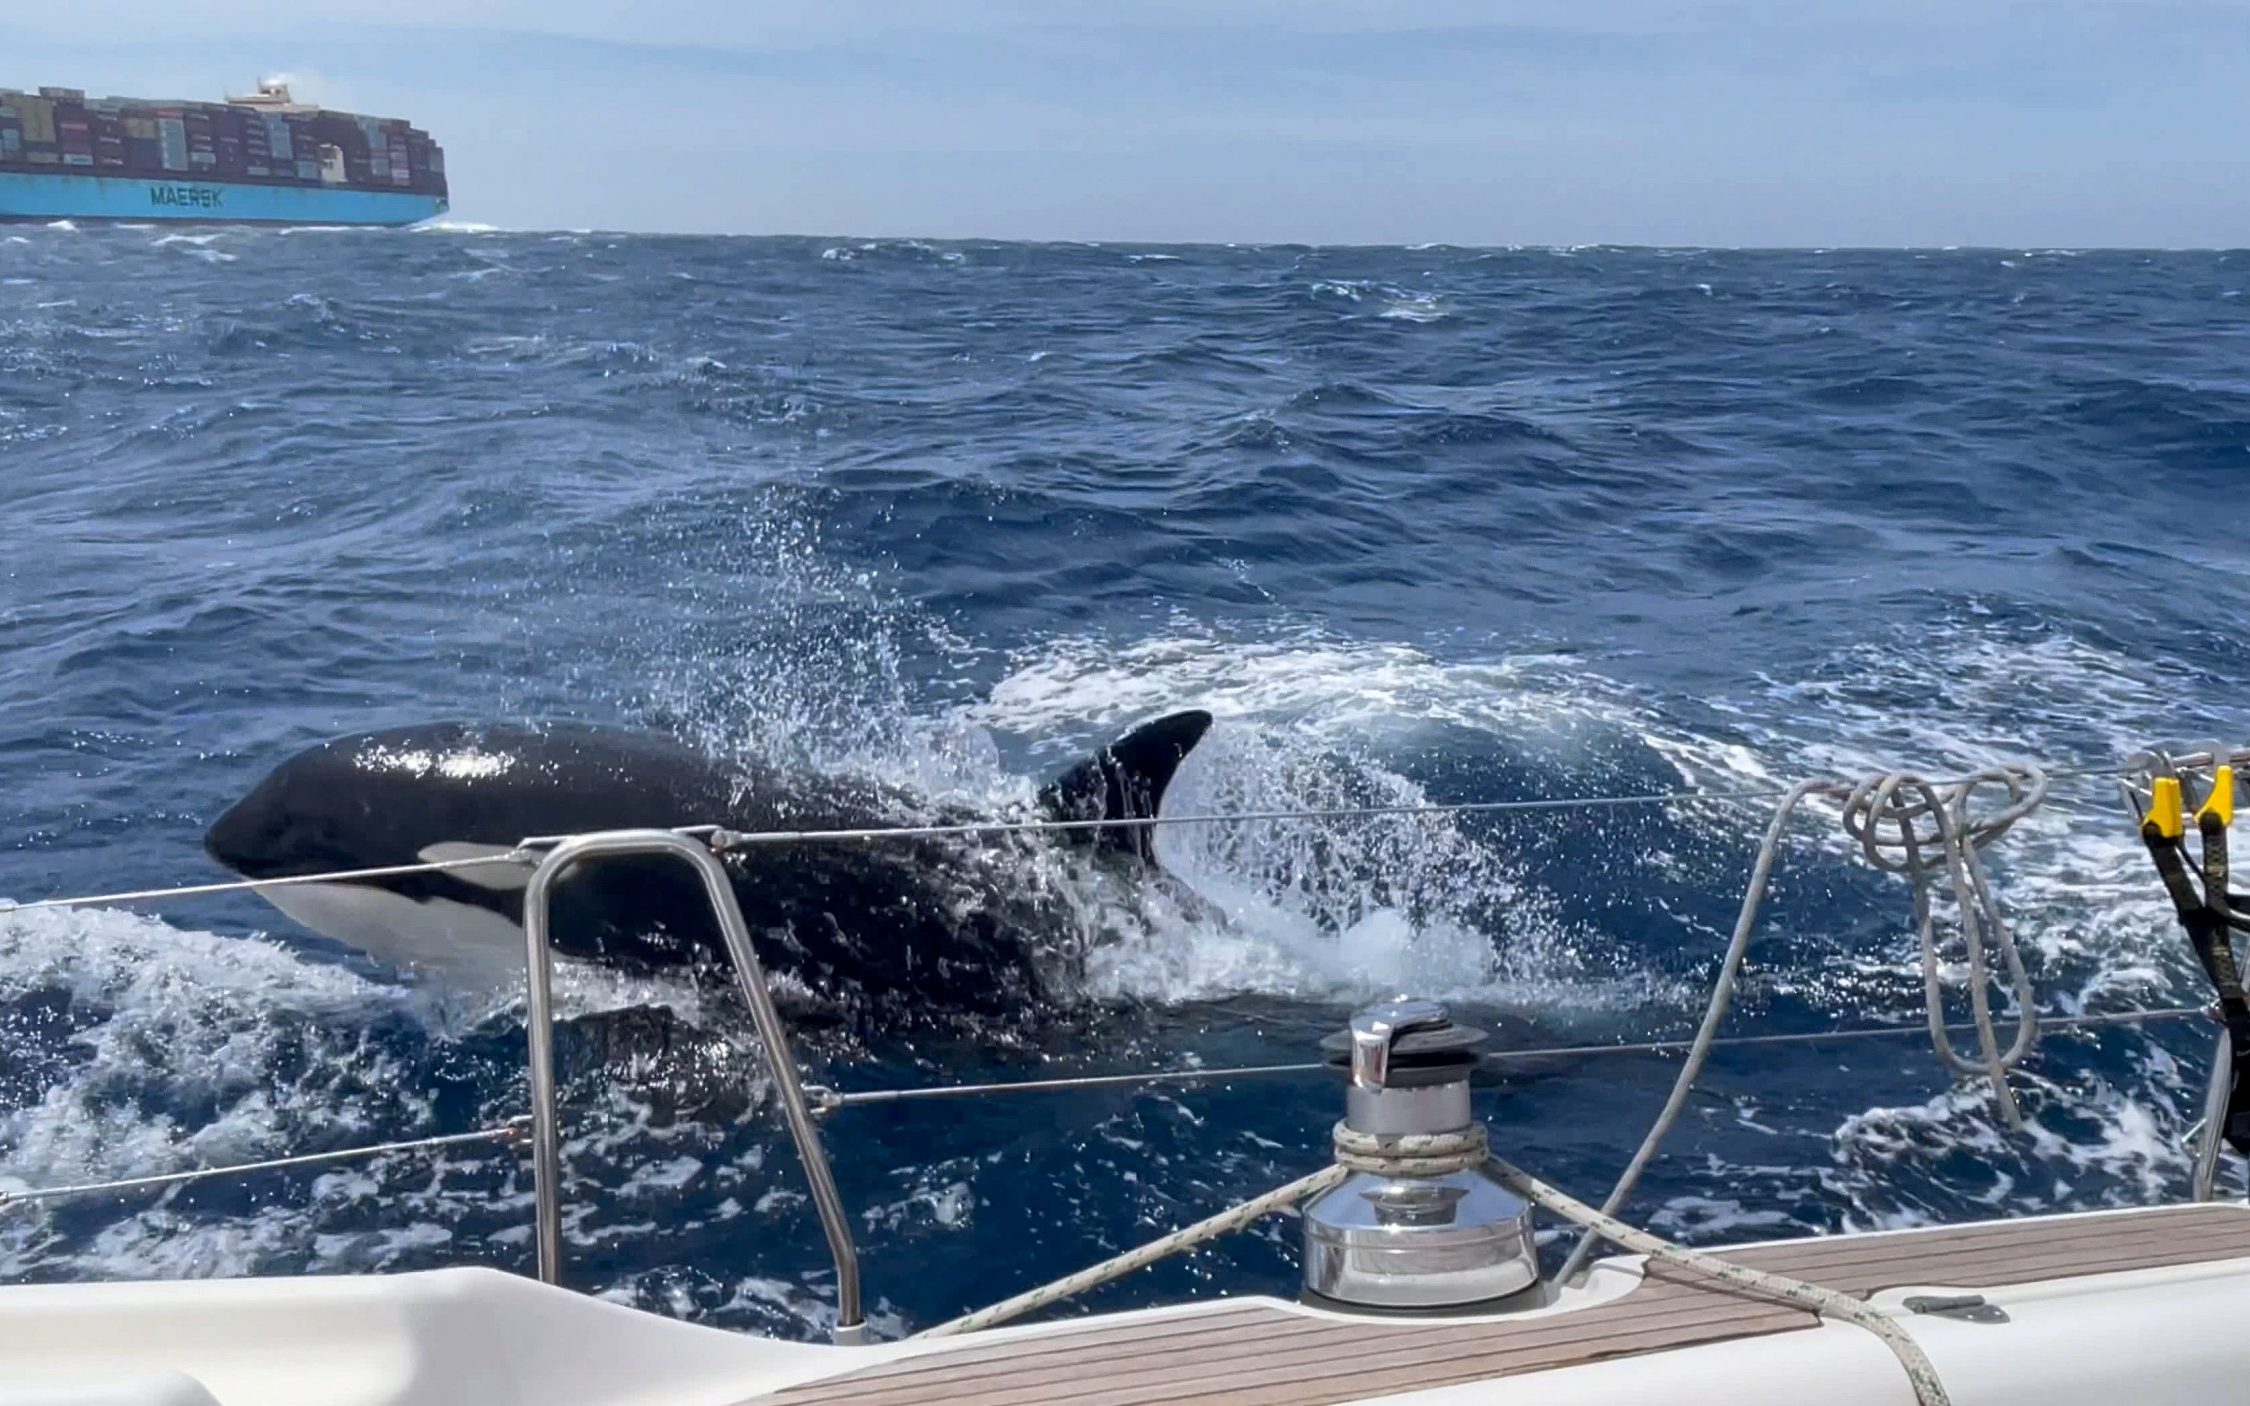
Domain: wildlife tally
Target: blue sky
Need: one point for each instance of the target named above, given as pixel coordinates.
(1336, 121)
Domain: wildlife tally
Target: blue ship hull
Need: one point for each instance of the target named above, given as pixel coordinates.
(60, 197)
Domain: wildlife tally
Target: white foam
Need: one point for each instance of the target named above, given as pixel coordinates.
(1339, 907)
(176, 1018)
(1424, 307)
(1332, 909)
(2074, 874)
(199, 1004)
(1316, 910)
(190, 1049)
(1367, 696)
(1395, 303)
(1709, 1218)
(195, 246)
(2077, 889)
(1103, 683)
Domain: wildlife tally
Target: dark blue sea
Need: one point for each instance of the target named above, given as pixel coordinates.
(1418, 525)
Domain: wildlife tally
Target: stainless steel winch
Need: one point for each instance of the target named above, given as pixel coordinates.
(1389, 1240)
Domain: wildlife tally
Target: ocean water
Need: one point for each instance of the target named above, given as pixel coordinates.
(1417, 524)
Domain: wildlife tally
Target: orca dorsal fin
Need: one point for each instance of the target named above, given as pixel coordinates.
(1125, 781)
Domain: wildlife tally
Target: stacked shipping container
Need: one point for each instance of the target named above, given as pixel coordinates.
(61, 131)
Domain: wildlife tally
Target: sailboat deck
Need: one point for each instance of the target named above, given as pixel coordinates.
(1260, 1355)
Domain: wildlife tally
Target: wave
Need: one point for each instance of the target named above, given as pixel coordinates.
(913, 251)
(952, 523)
(137, 1048)
(189, 1047)
(1341, 909)
(159, 1050)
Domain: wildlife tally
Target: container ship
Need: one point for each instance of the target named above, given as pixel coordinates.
(262, 159)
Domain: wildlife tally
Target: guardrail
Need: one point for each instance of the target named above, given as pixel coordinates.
(546, 1133)
(698, 847)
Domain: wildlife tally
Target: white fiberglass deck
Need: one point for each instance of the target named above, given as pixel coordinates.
(2103, 1309)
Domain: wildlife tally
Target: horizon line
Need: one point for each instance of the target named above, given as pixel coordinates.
(451, 225)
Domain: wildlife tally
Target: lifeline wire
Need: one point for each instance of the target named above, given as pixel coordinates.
(511, 1131)
(829, 1100)
(526, 852)
(386, 871)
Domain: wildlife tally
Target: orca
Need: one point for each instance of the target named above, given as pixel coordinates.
(975, 921)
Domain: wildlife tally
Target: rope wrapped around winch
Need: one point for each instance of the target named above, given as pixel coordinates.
(1411, 1154)
(1435, 1154)
(1440, 1154)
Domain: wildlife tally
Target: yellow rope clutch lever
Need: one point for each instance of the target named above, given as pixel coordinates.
(2219, 805)
(2166, 814)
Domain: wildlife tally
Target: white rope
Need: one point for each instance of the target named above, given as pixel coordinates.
(1410, 1154)
(1909, 826)
(1921, 1373)
(1722, 996)
(1904, 825)
(1436, 1154)
(1185, 1238)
